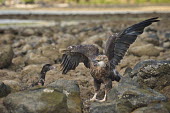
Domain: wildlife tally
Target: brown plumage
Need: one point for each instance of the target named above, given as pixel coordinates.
(102, 67)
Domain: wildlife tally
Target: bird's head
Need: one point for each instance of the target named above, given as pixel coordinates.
(47, 67)
(100, 61)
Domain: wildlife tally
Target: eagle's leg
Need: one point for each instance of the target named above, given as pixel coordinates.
(108, 86)
(97, 85)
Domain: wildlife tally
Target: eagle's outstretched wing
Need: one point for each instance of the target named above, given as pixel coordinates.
(117, 45)
(73, 55)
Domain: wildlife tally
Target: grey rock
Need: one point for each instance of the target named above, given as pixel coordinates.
(135, 94)
(68, 85)
(166, 91)
(6, 55)
(167, 36)
(3, 109)
(153, 74)
(145, 50)
(4, 90)
(33, 58)
(121, 106)
(71, 89)
(46, 100)
(50, 51)
(102, 108)
(141, 64)
(28, 32)
(13, 84)
(152, 38)
(155, 108)
(166, 45)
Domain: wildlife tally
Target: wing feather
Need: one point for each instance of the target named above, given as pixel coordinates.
(117, 45)
(73, 55)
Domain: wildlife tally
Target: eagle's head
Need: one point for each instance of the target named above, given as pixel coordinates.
(100, 60)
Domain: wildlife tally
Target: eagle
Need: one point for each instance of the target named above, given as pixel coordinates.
(102, 66)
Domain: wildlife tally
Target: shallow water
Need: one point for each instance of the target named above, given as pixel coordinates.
(20, 22)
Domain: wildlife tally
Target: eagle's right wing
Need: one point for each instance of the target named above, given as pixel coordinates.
(73, 55)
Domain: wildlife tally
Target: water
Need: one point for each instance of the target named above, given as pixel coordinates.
(20, 22)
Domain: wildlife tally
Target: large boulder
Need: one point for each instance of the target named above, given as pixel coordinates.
(33, 58)
(50, 51)
(39, 100)
(152, 73)
(145, 50)
(4, 90)
(155, 108)
(6, 55)
(2, 107)
(151, 38)
(13, 84)
(72, 90)
(28, 32)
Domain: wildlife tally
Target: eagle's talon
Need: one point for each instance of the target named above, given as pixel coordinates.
(93, 99)
(103, 100)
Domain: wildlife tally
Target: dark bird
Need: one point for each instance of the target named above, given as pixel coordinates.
(41, 81)
(44, 70)
(102, 67)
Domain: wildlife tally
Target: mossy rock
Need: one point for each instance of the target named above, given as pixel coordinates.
(6, 56)
(4, 90)
(40, 100)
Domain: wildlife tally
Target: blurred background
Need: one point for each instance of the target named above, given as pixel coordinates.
(81, 2)
(32, 33)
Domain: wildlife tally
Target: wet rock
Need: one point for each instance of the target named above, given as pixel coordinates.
(145, 50)
(166, 91)
(167, 36)
(33, 58)
(4, 90)
(28, 32)
(71, 89)
(156, 108)
(26, 47)
(128, 89)
(151, 38)
(67, 40)
(30, 73)
(121, 106)
(2, 107)
(46, 100)
(50, 51)
(6, 38)
(166, 45)
(102, 108)
(8, 75)
(96, 39)
(152, 73)
(166, 105)
(6, 55)
(19, 61)
(13, 84)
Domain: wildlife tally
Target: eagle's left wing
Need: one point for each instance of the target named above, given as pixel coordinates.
(117, 45)
(73, 55)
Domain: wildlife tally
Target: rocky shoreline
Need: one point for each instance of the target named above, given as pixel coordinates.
(24, 50)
